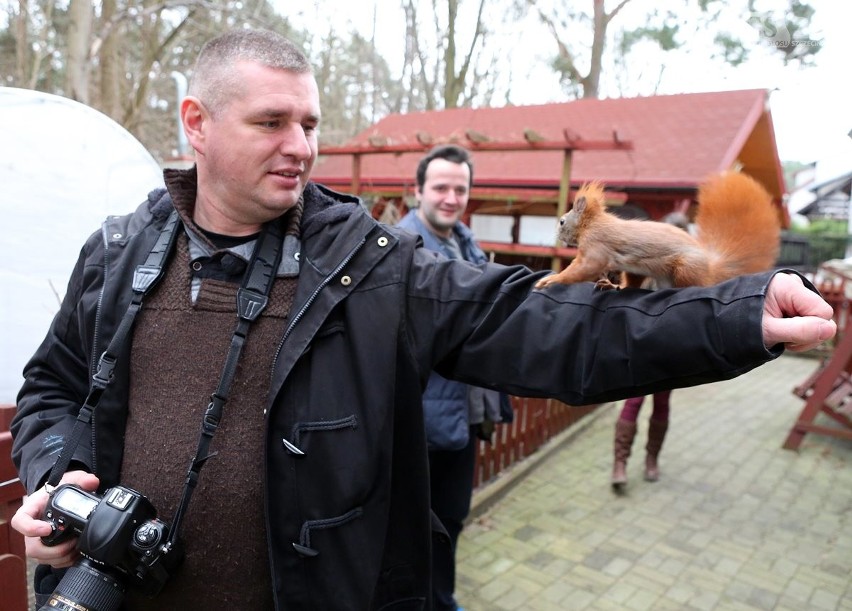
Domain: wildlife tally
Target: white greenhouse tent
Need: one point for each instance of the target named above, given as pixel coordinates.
(64, 167)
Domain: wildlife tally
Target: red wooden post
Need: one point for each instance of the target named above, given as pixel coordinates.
(13, 565)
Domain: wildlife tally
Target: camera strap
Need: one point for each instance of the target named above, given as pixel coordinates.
(145, 277)
(252, 298)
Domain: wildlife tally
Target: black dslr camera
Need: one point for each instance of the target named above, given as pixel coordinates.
(121, 542)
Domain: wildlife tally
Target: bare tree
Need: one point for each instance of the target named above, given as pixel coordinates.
(119, 56)
(455, 82)
(571, 30)
(26, 44)
(355, 83)
(421, 87)
(453, 66)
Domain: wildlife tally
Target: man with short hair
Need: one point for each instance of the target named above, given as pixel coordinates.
(273, 330)
(457, 415)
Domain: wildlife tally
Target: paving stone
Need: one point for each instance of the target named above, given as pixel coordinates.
(649, 578)
(735, 523)
(642, 600)
(821, 599)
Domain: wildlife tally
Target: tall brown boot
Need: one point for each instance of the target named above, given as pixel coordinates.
(656, 435)
(625, 431)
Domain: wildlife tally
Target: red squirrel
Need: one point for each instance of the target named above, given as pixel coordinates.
(738, 233)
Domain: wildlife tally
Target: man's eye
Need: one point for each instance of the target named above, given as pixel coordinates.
(269, 124)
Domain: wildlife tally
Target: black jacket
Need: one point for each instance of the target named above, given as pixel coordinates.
(348, 521)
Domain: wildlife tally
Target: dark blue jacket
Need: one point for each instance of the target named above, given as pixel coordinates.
(446, 403)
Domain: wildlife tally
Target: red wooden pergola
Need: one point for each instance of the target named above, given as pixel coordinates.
(478, 142)
(650, 152)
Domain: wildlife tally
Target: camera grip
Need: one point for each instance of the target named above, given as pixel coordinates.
(67, 512)
(60, 531)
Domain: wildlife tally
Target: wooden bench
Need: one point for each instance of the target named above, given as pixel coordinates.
(827, 391)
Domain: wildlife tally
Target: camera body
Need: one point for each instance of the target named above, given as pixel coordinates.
(122, 542)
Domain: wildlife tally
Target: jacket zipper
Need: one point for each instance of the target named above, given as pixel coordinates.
(313, 297)
(296, 318)
(96, 338)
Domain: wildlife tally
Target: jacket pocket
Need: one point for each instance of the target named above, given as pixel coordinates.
(398, 590)
(348, 422)
(303, 547)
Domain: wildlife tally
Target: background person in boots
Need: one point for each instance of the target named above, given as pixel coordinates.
(625, 432)
(456, 415)
(626, 425)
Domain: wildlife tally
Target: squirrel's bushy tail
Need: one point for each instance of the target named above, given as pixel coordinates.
(738, 225)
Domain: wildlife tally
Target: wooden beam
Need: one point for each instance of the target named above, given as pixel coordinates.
(562, 202)
(507, 248)
(523, 145)
(356, 174)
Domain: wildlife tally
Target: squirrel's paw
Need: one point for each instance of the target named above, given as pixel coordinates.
(545, 282)
(604, 284)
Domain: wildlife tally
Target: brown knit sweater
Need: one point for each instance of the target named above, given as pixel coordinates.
(179, 349)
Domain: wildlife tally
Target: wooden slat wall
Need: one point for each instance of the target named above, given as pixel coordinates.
(536, 421)
(13, 566)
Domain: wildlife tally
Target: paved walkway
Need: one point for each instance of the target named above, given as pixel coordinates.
(735, 522)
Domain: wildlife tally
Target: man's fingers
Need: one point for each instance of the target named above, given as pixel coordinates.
(787, 296)
(27, 520)
(58, 556)
(798, 334)
(86, 481)
(808, 303)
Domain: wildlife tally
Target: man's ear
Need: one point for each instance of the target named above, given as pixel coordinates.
(193, 115)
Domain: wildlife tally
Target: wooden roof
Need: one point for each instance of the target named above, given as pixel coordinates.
(677, 141)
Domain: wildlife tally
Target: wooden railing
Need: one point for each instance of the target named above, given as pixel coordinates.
(13, 565)
(535, 422)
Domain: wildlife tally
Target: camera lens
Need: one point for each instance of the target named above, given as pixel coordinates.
(84, 587)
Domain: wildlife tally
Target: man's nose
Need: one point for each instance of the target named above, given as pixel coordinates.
(296, 143)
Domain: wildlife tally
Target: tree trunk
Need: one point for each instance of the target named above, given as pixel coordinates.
(77, 67)
(592, 81)
(110, 64)
(22, 48)
(451, 94)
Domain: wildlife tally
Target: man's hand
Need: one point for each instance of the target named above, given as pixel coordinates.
(27, 521)
(795, 316)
